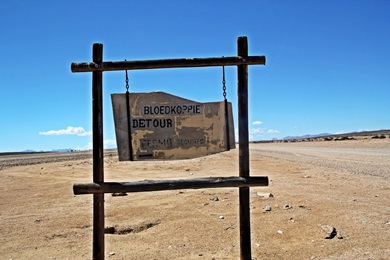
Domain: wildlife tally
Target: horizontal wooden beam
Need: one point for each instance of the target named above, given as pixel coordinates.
(167, 63)
(176, 184)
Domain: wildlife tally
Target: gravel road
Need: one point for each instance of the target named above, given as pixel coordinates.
(361, 160)
(357, 159)
(8, 160)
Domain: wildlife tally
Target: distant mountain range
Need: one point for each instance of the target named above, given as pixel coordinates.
(306, 136)
(52, 151)
(371, 134)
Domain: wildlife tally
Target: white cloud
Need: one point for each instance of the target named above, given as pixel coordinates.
(257, 123)
(70, 130)
(257, 131)
(272, 131)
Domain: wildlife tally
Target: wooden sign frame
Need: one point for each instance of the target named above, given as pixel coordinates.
(98, 188)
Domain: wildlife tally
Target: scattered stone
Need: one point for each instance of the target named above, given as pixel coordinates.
(287, 206)
(111, 253)
(307, 176)
(109, 230)
(215, 199)
(280, 232)
(265, 195)
(330, 231)
(292, 219)
(257, 245)
(229, 227)
(200, 254)
(388, 223)
(116, 194)
(267, 208)
(339, 235)
(221, 217)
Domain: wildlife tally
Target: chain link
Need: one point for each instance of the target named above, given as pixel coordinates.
(223, 82)
(127, 82)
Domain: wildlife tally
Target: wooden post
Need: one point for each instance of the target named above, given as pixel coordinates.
(243, 135)
(98, 167)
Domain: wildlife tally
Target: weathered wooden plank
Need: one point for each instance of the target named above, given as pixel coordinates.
(167, 63)
(168, 127)
(175, 184)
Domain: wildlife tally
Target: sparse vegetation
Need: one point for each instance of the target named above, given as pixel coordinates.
(382, 136)
(379, 134)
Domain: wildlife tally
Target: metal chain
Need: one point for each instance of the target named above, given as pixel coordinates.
(127, 83)
(223, 82)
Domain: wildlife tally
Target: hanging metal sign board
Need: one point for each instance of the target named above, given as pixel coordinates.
(169, 127)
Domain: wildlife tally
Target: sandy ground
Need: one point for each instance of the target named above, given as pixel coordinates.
(342, 184)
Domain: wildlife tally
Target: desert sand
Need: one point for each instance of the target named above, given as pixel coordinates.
(343, 184)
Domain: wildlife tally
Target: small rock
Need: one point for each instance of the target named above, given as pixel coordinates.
(109, 230)
(257, 245)
(229, 227)
(265, 195)
(221, 217)
(339, 235)
(267, 208)
(116, 194)
(280, 232)
(329, 231)
(287, 206)
(111, 253)
(215, 199)
(307, 176)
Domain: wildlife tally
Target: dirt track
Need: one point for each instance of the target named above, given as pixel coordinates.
(41, 218)
(370, 159)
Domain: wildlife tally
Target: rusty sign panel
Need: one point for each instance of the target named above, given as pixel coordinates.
(168, 127)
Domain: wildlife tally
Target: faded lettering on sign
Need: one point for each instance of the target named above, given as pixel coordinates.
(164, 126)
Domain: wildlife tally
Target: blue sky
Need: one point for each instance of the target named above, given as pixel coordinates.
(327, 68)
